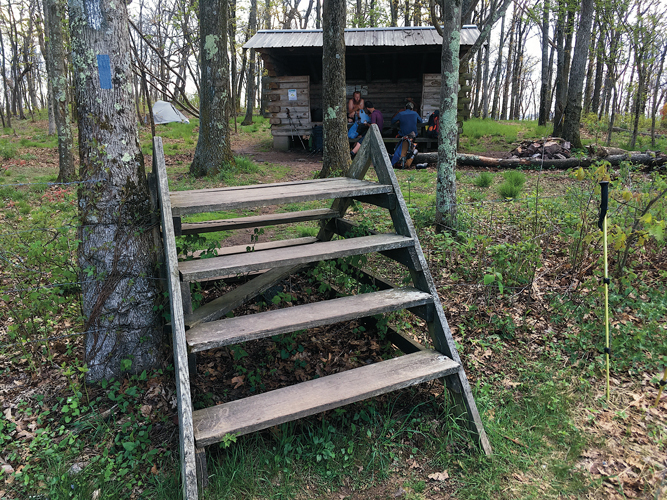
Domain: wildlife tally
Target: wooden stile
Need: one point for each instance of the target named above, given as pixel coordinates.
(207, 327)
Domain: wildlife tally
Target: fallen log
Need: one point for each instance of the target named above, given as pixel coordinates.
(464, 160)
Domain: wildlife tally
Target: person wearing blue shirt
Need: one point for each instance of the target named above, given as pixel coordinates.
(407, 120)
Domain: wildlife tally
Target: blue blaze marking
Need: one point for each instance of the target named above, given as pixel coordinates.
(104, 69)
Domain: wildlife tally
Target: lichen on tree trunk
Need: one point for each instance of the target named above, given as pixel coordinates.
(445, 216)
(117, 255)
(55, 54)
(214, 151)
(336, 154)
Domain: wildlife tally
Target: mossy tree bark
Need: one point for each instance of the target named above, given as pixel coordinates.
(214, 151)
(445, 213)
(336, 155)
(56, 60)
(572, 114)
(250, 86)
(117, 253)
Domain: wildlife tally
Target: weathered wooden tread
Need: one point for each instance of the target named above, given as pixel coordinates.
(257, 221)
(231, 331)
(193, 270)
(307, 398)
(265, 245)
(212, 200)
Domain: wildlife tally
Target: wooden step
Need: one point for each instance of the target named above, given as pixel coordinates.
(213, 200)
(193, 270)
(265, 245)
(257, 221)
(231, 331)
(298, 401)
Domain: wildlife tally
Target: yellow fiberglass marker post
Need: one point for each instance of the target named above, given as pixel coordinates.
(602, 224)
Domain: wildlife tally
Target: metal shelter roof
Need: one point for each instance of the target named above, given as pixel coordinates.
(359, 37)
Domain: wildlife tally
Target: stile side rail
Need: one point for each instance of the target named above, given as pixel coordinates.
(185, 426)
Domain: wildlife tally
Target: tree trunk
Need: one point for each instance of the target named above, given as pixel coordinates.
(485, 84)
(499, 63)
(508, 71)
(599, 73)
(231, 38)
(5, 84)
(516, 72)
(445, 204)
(628, 93)
(588, 92)
(393, 12)
(572, 115)
(117, 251)
(55, 52)
(544, 87)
(41, 29)
(656, 89)
(563, 65)
(336, 154)
(478, 83)
(465, 160)
(213, 152)
(640, 98)
(250, 88)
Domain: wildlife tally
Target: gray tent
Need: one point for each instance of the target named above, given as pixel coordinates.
(165, 112)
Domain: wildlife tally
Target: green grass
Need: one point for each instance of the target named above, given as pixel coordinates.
(7, 150)
(508, 190)
(483, 180)
(476, 128)
(515, 178)
(39, 140)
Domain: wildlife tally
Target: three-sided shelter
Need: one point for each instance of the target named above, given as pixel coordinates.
(387, 65)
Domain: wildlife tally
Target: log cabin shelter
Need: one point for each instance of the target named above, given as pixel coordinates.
(387, 65)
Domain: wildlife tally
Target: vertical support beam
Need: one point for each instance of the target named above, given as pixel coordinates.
(185, 427)
(457, 384)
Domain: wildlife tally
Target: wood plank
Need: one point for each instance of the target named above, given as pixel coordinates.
(291, 78)
(194, 270)
(287, 130)
(219, 307)
(295, 114)
(184, 401)
(265, 245)
(240, 329)
(291, 403)
(288, 85)
(283, 100)
(257, 221)
(212, 200)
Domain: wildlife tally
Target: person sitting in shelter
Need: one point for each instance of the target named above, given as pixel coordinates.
(375, 114)
(407, 121)
(375, 117)
(354, 105)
